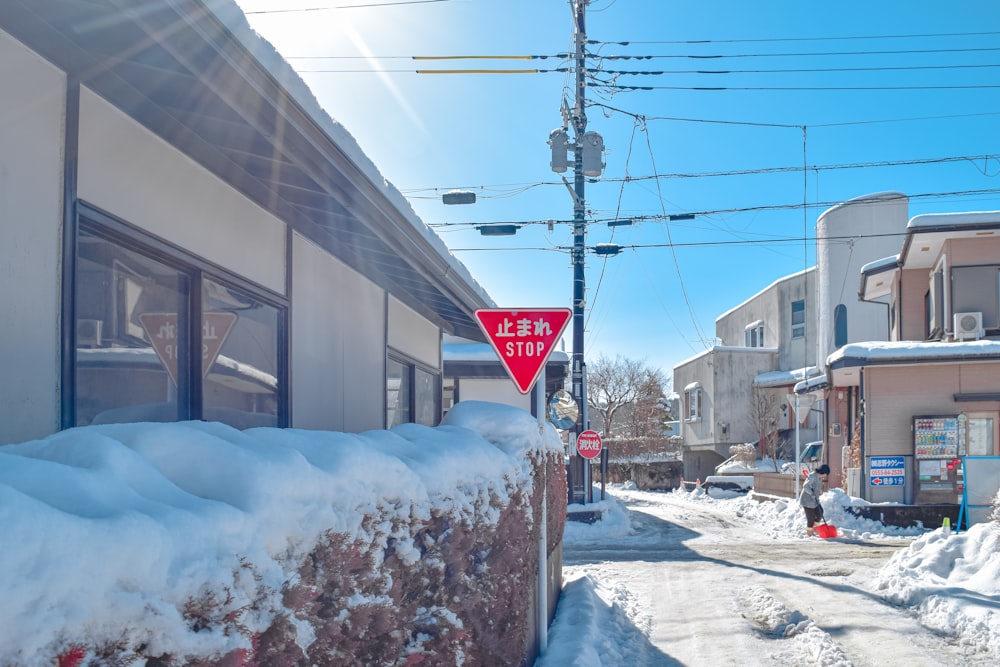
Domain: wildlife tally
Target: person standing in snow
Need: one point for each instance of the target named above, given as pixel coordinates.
(809, 497)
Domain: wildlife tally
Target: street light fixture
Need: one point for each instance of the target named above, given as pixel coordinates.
(498, 230)
(458, 197)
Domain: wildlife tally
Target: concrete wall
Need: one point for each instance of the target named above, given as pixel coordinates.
(32, 114)
(872, 220)
(773, 307)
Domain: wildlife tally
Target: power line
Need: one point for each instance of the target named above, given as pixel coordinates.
(733, 172)
(626, 88)
(799, 125)
(745, 209)
(804, 70)
(806, 54)
(798, 39)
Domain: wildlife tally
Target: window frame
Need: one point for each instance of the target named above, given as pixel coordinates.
(753, 334)
(798, 328)
(413, 410)
(692, 404)
(96, 222)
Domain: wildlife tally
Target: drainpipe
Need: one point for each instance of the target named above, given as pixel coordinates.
(543, 560)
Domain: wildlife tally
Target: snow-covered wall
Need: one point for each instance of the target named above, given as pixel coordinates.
(197, 544)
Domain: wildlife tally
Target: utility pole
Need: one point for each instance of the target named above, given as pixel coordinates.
(579, 239)
(588, 153)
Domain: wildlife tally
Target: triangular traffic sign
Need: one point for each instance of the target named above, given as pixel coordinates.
(523, 338)
(163, 334)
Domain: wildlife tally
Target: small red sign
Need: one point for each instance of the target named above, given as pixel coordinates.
(589, 444)
(523, 338)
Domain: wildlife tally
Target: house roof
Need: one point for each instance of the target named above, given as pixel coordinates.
(773, 379)
(925, 235)
(844, 362)
(194, 73)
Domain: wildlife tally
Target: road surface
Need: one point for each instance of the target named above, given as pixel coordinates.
(707, 587)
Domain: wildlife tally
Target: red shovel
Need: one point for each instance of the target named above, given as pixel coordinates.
(825, 530)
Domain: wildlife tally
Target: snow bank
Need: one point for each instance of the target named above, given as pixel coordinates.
(169, 536)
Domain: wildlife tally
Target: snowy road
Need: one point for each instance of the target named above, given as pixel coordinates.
(702, 586)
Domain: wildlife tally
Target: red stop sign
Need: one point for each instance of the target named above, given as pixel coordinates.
(589, 444)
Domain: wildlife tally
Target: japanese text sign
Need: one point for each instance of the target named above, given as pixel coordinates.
(523, 338)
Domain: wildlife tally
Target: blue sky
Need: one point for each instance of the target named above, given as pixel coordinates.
(873, 84)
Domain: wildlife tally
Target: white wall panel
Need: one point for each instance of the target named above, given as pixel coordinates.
(493, 390)
(32, 110)
(413, 334)
(338, 344)
(134, 175)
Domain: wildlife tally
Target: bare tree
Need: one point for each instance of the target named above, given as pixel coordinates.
(630, 389)
(764, 421)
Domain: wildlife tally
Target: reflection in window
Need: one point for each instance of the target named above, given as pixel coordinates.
(131, 335)
(413, 394)
(137, 333)
(425, 397)
(239, 347)
(397, 393)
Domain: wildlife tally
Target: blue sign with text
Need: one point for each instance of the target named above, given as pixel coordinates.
(887, 471)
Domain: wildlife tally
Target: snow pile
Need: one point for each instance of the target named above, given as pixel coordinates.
(117, 532)
(608, 620)
(953, 581)
(783, 518)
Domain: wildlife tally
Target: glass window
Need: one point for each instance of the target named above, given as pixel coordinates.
(692, 404)
(143, 353)
(798, 319)
(413, 394)
(131, 335)
(239, 353)
(840, 325)
(425, 397)
(754, 335)
(397, 389)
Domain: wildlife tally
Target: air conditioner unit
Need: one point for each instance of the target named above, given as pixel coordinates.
(968, 326)
(88, 332)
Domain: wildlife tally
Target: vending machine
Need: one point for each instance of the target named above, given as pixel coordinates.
(939, 443)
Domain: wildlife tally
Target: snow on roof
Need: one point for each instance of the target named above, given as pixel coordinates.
(727, 348)
(880, 265)
(230, 14)
(865, 199)
(899, 351)
(811, 385)
(783, 378)
(954, 219)
(790, 276)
